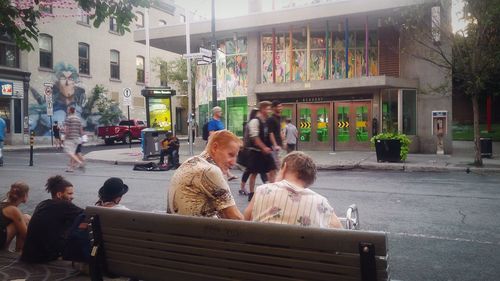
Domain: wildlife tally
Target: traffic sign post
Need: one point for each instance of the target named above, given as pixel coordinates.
(50, 108)
(127, 100)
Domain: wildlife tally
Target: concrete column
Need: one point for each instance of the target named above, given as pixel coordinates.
(254, 66)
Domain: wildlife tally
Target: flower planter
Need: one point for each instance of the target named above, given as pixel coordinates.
(388, 150)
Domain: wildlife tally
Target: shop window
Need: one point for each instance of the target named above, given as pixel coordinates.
(139, 63)
(45, 44)
(409, 112)
(390, 111)
(9, 53)
(83, 58)
(115, 64)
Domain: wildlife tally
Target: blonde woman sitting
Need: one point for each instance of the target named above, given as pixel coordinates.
(13, 223)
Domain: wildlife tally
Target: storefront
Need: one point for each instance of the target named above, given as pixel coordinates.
(12, 104)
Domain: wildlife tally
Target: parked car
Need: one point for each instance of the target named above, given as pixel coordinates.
(121, 132)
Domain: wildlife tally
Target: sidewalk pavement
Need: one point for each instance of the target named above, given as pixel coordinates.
(461, 159)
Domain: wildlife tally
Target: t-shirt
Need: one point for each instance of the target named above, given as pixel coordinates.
(198, 188)
(215, 125)
(47, 230)
(285, 203)
(73, 127)
(2, 129)
(274, 125)
(258, 128)
(291, 133)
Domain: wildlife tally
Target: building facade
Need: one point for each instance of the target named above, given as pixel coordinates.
(345, 70)
(70, 58)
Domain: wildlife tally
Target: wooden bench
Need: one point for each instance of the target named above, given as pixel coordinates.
(151, 246)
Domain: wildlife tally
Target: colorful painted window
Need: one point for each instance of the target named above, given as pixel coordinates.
(267, 58)
(318, 56)
(236, 68)
(282, 57)
(299, 61)
(338, 56)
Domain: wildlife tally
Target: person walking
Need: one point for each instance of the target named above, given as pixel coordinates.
(274, 127)
(56, 130)
(73, 132)
(291, 136)
(3, 132)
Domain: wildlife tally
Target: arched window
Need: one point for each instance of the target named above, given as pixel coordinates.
(162, 23)
(139, 62)
(45, 46)
(115, 64)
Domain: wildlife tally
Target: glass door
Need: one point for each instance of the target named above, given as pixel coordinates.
(314, 126)
(353, 125)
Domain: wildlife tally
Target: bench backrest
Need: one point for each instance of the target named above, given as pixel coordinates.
(152, 246)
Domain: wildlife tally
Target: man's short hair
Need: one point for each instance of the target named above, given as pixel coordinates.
(223, 138)
(264, 104)
(301, 164)
(216, 109)
(56, 184)
(276, 103)
(288, 120)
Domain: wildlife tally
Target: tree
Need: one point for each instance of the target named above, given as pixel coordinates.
(106, 110)
(474, 60)
(19, 19)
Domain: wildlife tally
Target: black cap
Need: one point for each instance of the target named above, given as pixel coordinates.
(112, 188)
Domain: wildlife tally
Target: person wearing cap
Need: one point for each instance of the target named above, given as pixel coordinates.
(111, 192)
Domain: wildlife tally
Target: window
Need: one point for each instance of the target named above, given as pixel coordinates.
(115, 64)
(139, 62)
(84, 17)
(83, 58)
(113, 25)
(390, 111)
(45, 44)
(139, 21)
(409, 112)
(162, 23)
(9, 53)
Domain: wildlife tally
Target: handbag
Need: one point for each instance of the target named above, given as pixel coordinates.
(243, 156)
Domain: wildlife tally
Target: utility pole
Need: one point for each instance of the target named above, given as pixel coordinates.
(190, 106)
(214, 66)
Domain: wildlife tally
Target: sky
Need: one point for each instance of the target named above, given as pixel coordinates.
(231, 8)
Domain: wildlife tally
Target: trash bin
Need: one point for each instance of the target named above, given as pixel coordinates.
(150, 142)
(486, 147)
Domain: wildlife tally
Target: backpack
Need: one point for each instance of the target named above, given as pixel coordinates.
(78, 245)
(205, 131)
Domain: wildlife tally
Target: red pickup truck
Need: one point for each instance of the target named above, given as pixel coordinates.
(110, 134)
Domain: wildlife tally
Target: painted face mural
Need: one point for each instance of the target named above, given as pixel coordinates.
(67, 91)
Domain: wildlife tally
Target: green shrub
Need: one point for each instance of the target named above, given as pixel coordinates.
(403, 139)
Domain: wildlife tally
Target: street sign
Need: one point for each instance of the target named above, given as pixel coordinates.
(202, 62)
(206, 52)
(192, 56)
(48, 98)
(127, 97)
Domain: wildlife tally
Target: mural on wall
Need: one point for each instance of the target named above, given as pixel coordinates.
(67, 91)
(203, 84)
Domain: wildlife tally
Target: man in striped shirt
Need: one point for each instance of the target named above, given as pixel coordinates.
(73, 132)
(289, 200)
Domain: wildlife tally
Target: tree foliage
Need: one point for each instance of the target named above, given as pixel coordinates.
(175, 72)
(20, 22)
(474, 60)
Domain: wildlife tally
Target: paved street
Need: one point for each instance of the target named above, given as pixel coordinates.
(442, 226)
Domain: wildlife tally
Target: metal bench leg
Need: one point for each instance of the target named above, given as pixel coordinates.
(97, 260)
(367, 261)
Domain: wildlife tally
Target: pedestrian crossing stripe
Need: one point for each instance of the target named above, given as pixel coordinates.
(342, 124)
(305, 125)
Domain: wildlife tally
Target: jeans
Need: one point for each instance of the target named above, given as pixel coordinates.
(173, 157)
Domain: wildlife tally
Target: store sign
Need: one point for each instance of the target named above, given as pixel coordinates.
(7, 88)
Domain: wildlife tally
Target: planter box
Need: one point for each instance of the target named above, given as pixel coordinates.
(388, 150)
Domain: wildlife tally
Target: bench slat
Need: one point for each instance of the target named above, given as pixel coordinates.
(163, 250)
(273, 234)
(217, 270)
(337, 258)
(222, 263)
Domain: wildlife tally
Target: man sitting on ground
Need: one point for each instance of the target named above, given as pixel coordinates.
(170, 147)
(289, 200)
(51, 220)
(198, 187)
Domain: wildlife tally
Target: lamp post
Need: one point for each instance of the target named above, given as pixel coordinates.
(190, 109)
(214, 66)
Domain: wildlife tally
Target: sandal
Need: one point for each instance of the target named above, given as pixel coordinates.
(242, 192)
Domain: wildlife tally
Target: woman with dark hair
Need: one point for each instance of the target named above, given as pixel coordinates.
(246, 143)
(13, 223)
(110, 194)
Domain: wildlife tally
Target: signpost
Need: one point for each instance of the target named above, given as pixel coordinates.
(127, 100)
(50, 107)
